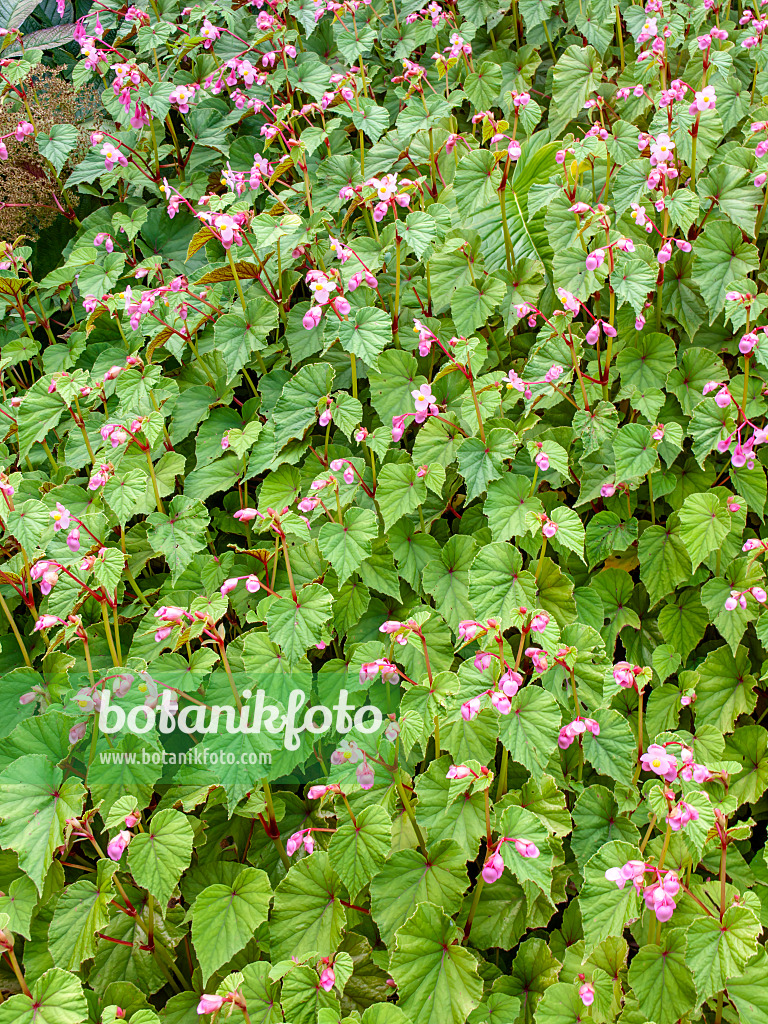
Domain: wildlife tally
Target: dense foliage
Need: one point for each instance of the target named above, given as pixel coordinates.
(367, 354)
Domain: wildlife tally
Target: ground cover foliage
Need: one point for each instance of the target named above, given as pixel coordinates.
(401, 356)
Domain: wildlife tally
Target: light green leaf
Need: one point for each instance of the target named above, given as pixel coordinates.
(347, 544)
(661, 979)
(158, 856)
(224, 917)
(437, 980)
(308, 915)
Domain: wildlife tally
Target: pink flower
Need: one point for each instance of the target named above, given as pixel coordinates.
(587, 993)
(73, 540)
(116, 847)
(318, 792)
(458, 771)
(514, 150)
(245, 515)
(681, 815)
(209, 1003)
(327, 979)
(510, 682)
(482, 661)
(228, 585)
(170, 613)
(493, 869)
(470, 709)
(76, 733)
(61, 518)
(501, 702)
(542, 461)
(469, 628)
(252, 583)
(365, 775)
(705, 100)
(624, 674)
(526, 849)
(538, 657)
(657, 760)
(595, 259)
(549, 529)
(539, 622)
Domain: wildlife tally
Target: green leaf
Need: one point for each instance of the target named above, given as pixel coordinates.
(577, 74)
(370, 118)
(560, 1004)
(399, 492)
(646, 360)
(664, 559)
(481, 462)
(730, 190)
(529, 731)
(682, 622)
(725, 688)
(360, 850)
(661, 979)
(704, 524)
(634, 452)
(437, 980)
(38, 413)
(124, 493)
(606, 909)
(520, 823)
(82, 909)
(298, 625)
(632, 280)
(418, 233)
(606, 533)
(297, 407)
(57, 144)
(158, 856)
(483, 86)
(472, 304)
(749, 992)
(596, 821)
(367, 335)
(57, 998)
(308, 915)
(180, 534)
(719, 950)
(36, 802)
(224, 917)
(507, 506)
(447, 579)
(27, 522)
(18, 905)
(408, 879)
(613, 751)
(721, 257)
(347, 545)
(498, 585)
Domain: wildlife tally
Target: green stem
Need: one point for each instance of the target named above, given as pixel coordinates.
(541, 556)
(158, 499)
(14, 628)
(274, 830)
(409, 811)
(475, 900)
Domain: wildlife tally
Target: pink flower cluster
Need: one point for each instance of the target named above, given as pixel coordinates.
(493, 868)
(575, 729)
(660, 761)
(738, 598)
(659, 894)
